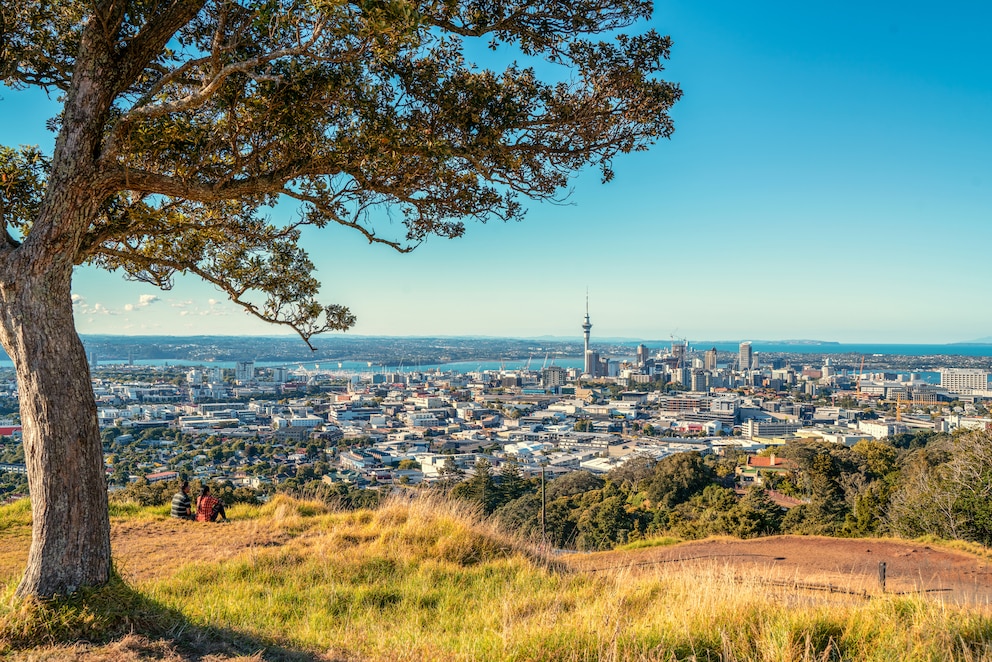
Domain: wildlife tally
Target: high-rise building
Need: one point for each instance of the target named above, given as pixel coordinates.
(194, 377)
(592, 364)
(964, 380)
(709, 359)
(553, 376)
(244, 371)
(745, 356)
(642, 355)
(699, 381)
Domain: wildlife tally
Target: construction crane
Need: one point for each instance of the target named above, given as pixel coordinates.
(545, 364)
(915, 402)
(682, 344)
(527, 367)
(861, 372)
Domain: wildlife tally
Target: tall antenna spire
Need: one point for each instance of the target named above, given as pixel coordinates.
(586, 328)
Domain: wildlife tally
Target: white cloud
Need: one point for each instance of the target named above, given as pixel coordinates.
(213, 302)
(77, 299)
(128, 307)
(101, 309)
(147, 299)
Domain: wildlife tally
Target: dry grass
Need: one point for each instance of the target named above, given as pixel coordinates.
(428, 580)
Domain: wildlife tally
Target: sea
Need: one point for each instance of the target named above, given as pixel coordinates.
(536, 363)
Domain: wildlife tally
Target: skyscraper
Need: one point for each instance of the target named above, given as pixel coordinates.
(709, 359)
(745, 356)
(642, 355)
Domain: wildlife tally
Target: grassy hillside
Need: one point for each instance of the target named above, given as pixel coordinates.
(426, 580)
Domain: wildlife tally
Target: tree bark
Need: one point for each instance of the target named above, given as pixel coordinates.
(70, 542)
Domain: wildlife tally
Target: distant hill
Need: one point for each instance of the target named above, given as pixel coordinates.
(987, 340)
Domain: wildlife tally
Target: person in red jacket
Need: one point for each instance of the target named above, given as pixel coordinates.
(208, 509)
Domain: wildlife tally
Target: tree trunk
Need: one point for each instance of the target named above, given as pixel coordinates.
(70, 542)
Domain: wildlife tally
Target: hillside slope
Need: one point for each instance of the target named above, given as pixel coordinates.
(819, 564)
(425, 580)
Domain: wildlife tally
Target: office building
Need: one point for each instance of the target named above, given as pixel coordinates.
(744, 357)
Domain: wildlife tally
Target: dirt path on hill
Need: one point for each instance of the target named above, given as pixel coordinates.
(816, 564)
(152, 549)
(145, 550)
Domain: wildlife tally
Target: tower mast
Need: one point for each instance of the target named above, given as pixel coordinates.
(589, 369)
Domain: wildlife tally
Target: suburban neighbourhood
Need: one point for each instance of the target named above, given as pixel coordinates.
(260, 427)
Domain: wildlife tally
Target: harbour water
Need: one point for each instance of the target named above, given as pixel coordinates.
(812, 348)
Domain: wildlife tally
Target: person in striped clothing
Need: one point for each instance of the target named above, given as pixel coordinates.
(181, 503)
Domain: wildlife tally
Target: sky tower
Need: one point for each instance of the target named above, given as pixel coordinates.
(586, 328)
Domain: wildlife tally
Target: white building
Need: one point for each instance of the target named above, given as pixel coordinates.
(279, 422)
(755, 428)
(244, 371)
(880, 429)
(421, 419)
(964, 380)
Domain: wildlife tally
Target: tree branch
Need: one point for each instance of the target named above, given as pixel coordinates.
(210, 87)
(140, 51)
(322, 207)
(149, 182)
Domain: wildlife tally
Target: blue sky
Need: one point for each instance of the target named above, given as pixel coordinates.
(830, 177)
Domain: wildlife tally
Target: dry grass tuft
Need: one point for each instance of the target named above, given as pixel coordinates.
(282, 507)
(15, 515)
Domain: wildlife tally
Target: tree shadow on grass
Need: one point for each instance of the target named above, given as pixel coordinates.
(94, 622)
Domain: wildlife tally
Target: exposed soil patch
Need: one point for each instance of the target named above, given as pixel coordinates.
(844, 566)
(150, 549)
(145, 550)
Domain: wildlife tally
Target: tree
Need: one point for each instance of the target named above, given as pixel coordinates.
(676, 478)
(511, 482)
(450, 474)
(184, 121)
(480, 488)
(827, 508)
(604, 524)
(757, 514)
(947, 492)
(572, 483)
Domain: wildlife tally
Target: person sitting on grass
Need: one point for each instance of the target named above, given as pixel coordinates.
(181, 503)
(208, 508)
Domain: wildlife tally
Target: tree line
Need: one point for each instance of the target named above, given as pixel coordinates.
(909, 485)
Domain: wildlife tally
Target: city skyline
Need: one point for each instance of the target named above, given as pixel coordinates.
(826, 180)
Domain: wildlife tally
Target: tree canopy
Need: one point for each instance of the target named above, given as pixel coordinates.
(190, 119)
